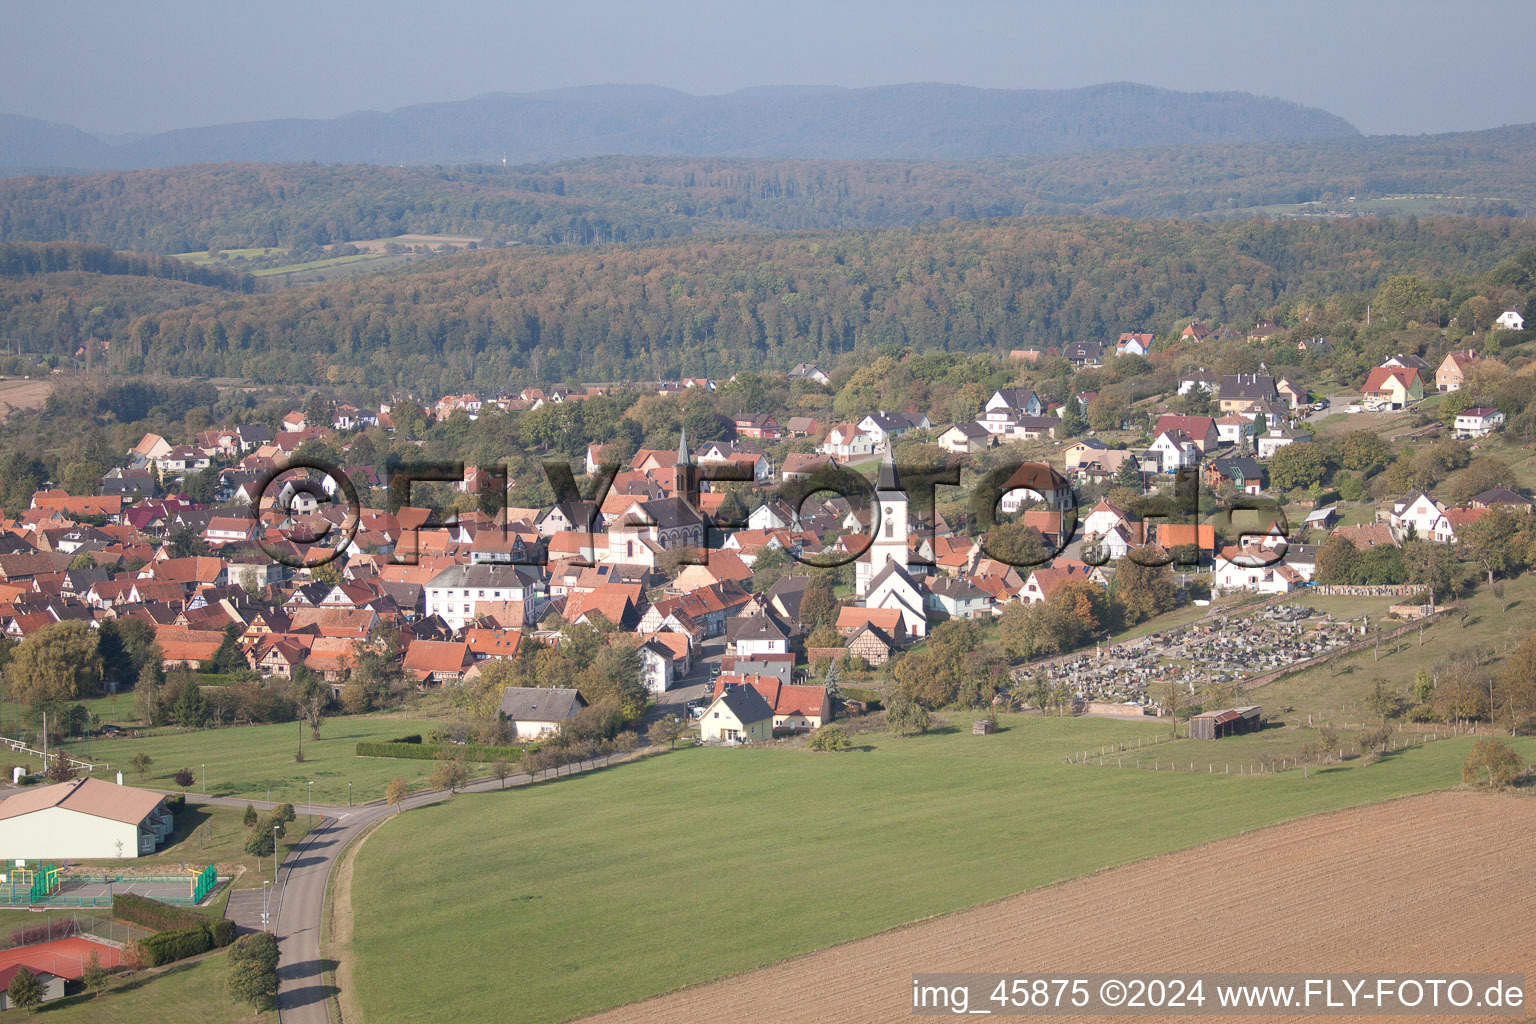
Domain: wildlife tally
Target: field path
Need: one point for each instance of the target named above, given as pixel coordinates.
(1433, 883)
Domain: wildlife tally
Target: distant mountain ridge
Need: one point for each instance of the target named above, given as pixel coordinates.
(917, 121)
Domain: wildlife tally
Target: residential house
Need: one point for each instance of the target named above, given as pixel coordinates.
(738, 715)
(1133, 345)
(1392, 387)
(1452, 372)
(1478, 422)
(1509, 320)
(1201, 379)
(1200, 429)
(1084, 353)
(1279, 437)
(967, 439)
(1242, 392)
(538, 711)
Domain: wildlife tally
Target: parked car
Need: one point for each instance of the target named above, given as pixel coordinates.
(1320, 405)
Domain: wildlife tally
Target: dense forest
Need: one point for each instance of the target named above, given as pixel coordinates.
(922, 121)
(628, 199)
(489, 318)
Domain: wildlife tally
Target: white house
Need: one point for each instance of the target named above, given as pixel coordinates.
(1417, 511)
(1478, 422)
(846, 441)
(1246, 569)
(1509, 320)
(536, 711)
(1175, 451)
(454, 592)
(1133, 345)
(83, 819)
(1277, 438)
(738, 715)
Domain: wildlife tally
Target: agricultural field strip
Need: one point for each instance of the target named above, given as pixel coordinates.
(1281, 898)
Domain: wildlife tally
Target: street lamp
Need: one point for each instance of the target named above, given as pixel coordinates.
(264, 893)
(349, 792)
(275, 830)
(311, 803)
(205, 779)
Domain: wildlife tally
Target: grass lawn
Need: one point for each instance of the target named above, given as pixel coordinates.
(607, 888)
(190, 992)
(249, 760)
(210, 834)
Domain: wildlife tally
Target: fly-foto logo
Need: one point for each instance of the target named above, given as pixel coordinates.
(315, 510)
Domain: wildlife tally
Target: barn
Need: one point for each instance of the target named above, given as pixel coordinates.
(1214, 725)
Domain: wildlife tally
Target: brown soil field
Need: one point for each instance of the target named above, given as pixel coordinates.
(22, 394)
(1433, 883)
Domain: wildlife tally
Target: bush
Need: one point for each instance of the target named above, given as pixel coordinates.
(175, 803)
(142, 910)
(283, 812)
(830, 737)
(418, 751)
(168, 947)
(250, 815)
(183, 777)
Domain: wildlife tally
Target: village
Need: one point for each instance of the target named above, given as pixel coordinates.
(300, 574)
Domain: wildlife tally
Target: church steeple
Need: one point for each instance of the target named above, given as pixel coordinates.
(887, 479)
(685, 486)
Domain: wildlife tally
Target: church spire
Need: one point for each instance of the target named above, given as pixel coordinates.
(887, 478)
(682, 446)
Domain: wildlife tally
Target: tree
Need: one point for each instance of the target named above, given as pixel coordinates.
(60, 771)
(1514, 695)
(1491, 763)
(1171, 699)
(126, 646)
(146, 694)
(1300, 465)
(1336, 561)
(283, 812)
(183, 777)
(1072, 421)
(1432, 566)
(58, 663)
(24, 990)
(831, 737)
(905, 717)
(260, 843)
(229, 657)
(501, 769)
(253, 970)
(311, 696)
(1491, 541)
(452, 771)
(141, 764)
(395, 792)
(818, 606)
(667, 730)
(1142, 591)
(95, 975)
(250, 815)
(189, 707)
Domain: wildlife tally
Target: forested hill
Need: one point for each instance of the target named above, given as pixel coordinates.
(488, 318)
(919, 121)
(29, 259)
(629, 199)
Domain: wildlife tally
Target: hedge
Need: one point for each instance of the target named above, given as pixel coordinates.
(168, 947)
(414, 737)
(142, 910)
(432, 751)
(175, 802)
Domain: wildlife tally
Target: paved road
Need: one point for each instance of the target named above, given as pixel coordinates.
(299, 896)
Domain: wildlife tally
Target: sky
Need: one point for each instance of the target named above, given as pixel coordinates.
(1408, 67)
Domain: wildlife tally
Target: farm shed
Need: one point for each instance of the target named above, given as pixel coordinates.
(1213, 725)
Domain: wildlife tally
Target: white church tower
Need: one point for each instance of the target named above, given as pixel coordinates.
(889, 520)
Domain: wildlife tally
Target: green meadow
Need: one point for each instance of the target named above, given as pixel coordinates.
(598, 890)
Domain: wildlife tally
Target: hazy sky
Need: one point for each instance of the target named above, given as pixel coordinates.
(108, 66)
